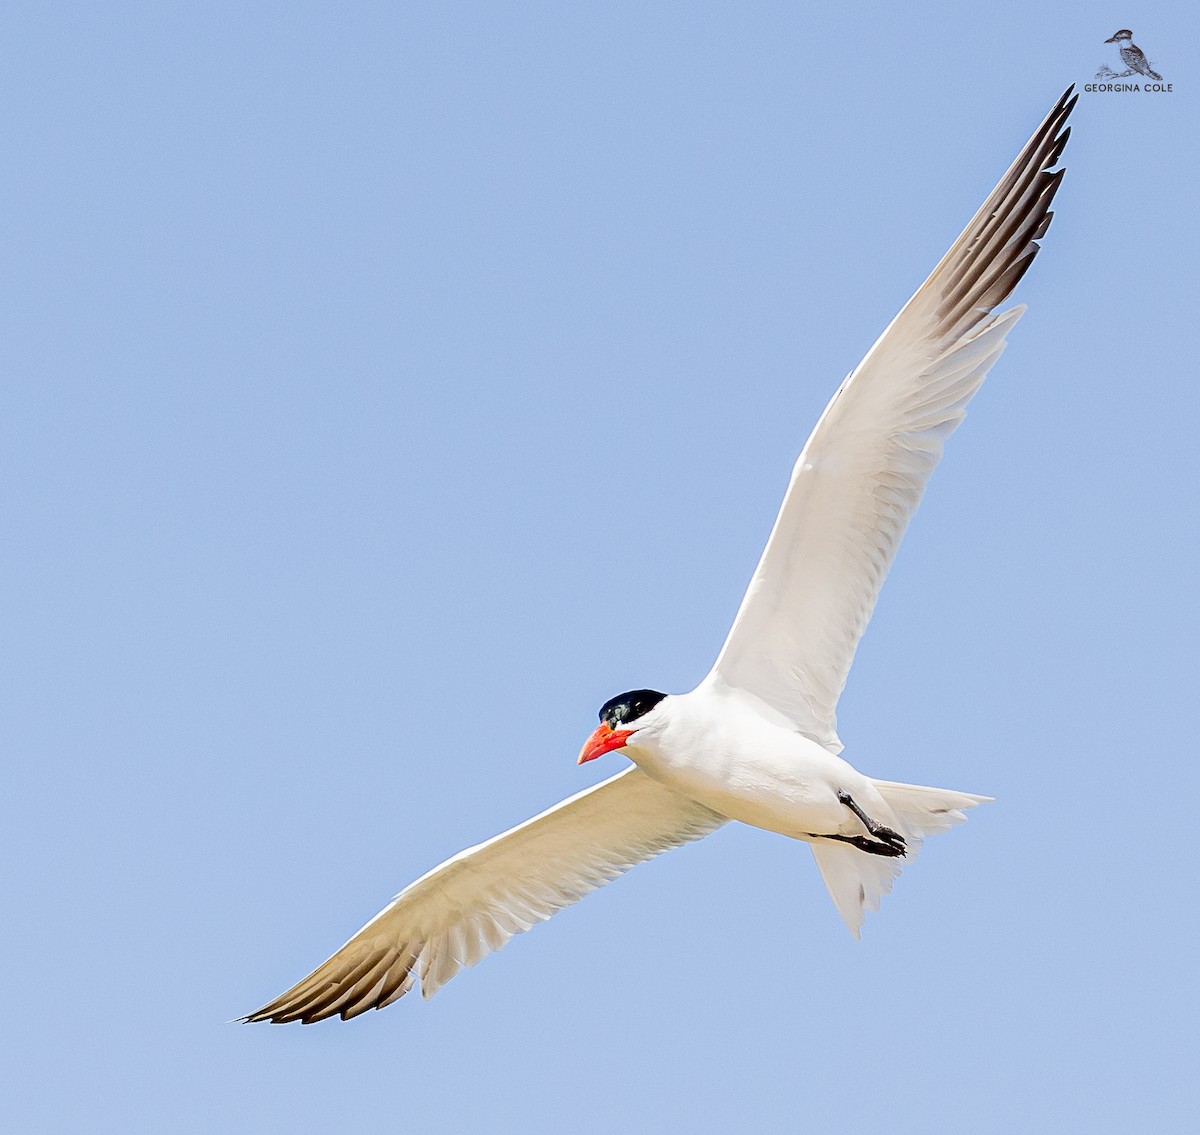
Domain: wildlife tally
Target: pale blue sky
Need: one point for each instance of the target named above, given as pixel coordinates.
(388, 385)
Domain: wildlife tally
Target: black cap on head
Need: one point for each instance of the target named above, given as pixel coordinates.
(628, 707)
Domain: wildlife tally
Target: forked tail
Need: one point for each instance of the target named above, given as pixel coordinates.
(858, 880)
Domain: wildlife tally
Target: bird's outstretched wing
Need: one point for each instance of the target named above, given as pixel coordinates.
(863, 470)
(476, 901)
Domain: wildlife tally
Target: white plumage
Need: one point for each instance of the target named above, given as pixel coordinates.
(757, 740)
(477, 900)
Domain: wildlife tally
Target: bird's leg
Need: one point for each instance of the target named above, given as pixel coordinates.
(871, 846)
(893, 839)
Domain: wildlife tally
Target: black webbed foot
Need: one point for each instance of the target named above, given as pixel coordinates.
(872, 847)
(891, 838)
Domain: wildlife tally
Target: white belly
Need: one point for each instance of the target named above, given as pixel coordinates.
(765, 776)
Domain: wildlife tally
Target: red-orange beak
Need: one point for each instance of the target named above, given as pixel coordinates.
(604, 740)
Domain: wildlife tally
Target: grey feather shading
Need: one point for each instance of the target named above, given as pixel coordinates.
(998, 246)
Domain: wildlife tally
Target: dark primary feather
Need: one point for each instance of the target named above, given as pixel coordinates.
(997, 247)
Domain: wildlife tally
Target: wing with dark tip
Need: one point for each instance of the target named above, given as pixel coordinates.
(476, 901)
(861, 474)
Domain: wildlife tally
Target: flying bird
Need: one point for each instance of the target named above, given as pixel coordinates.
(756, 742)
(1132, 56)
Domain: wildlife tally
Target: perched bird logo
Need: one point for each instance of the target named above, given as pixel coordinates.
(1131, 56)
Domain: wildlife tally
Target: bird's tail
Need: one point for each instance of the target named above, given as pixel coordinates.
(1155, 76)
(856, 879)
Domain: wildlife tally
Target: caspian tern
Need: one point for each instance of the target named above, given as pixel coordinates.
(756, 741)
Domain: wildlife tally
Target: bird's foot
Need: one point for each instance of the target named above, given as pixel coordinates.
(893, 839)
(870, 846)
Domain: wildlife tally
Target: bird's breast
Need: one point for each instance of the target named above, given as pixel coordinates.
(769, 778)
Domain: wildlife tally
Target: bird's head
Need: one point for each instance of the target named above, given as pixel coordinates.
(1124, 33)
(620, 718)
